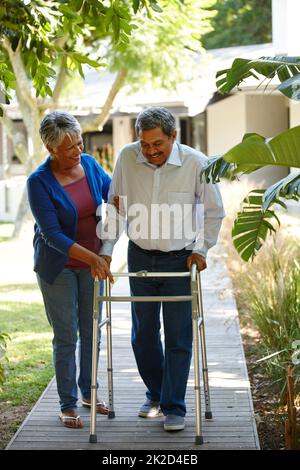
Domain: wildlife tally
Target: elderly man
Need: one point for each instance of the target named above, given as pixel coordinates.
(172, 221)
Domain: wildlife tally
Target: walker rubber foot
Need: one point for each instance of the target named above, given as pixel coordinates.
(111, 415)
(208, 415)
(93, 438)
(199, 440)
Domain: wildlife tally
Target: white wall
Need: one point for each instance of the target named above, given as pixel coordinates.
(122, 133)
(10, 196)
(226, 123)
(285, 26)
(294, 113)
(267, 115)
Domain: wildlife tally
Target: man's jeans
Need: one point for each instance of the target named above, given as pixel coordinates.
(165, 374)
(69, 308)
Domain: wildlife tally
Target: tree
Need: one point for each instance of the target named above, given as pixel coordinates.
(44, 42)
(160, 51)
(254, 222)
(238, 23)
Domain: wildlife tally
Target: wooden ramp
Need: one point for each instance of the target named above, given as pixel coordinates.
(233, 425)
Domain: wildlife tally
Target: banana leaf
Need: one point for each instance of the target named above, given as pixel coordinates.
(216, 168)
(288, 187)
(256, 151)
(253, 224)
(287, 70)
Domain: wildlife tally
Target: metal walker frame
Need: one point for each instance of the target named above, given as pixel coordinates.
(198, 326)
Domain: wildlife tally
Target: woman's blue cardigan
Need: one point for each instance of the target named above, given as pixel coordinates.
(56, 215)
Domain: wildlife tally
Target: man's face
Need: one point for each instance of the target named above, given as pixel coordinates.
(156, 146)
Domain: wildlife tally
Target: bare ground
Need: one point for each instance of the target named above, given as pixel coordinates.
(11, 417)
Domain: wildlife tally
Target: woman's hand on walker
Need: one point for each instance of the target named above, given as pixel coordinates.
(107, 259)
(100, 268)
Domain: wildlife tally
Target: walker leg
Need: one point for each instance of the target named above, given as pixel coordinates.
(93, 435)
(208, 412)
(199, 437)
(111, 413)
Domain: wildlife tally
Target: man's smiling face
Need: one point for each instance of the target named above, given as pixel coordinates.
(156, 146)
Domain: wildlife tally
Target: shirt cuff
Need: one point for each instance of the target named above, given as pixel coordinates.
(107, 248)
(203, 253)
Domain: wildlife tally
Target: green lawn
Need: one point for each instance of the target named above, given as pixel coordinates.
(29, 351)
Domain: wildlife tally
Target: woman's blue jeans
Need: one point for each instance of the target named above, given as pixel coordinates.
(165, 373)
(69, 308)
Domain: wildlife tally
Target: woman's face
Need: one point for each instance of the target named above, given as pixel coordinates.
(68, 152)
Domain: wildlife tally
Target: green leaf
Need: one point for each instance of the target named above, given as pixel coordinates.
(285, 187)
(122, 47)
(80, 70)
(291, 87)
(252, 226)
(136, 5)
(286, 68)
(108, 17)
(124, 38)
(2, 12)
(215, 168)
(34, 67)
(154, 5)
(116, 27)
(84, 59)
(68, 12)
(77, 4)
(125, 26)
(256, 151)
(48, 90)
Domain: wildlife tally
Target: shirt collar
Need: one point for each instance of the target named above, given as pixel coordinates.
(174, 157)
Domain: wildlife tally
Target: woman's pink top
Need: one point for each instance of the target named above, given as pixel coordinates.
(86, 236)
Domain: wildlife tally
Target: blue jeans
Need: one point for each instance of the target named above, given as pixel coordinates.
(165, 373)
(69, 309)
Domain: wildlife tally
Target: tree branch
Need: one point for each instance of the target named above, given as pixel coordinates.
(23, 88)
(60, 80)
(90, 123)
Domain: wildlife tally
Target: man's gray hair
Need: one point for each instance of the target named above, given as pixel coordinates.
(153, 117)
(56, 125)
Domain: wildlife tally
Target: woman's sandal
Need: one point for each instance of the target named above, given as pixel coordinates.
(75, 419)
(101, 406)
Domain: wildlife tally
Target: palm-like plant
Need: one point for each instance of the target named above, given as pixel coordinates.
(255, 220)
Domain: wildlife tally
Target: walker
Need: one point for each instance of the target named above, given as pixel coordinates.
(198, 326)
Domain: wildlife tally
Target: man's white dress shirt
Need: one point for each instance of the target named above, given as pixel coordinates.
(166, 208)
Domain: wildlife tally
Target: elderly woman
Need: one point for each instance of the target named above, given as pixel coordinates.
(64, 194)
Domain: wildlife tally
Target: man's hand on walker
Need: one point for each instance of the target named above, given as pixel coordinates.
(199, 260)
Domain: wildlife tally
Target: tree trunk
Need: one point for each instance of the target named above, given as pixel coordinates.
(90, 123)
(23, 209)
(22, 214)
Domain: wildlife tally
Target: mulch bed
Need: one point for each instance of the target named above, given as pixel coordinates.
(270, 417)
